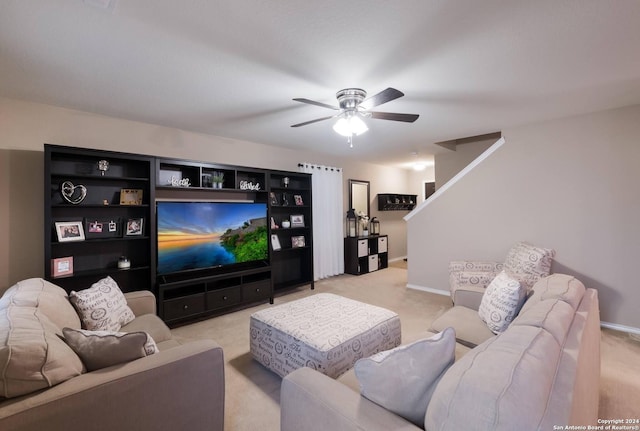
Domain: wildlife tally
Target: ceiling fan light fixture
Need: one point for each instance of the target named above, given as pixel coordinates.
(342, 127)
(352, 125)
(358, 127)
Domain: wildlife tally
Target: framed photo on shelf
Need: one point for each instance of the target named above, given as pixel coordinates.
(62, 267)
(134, 226)
(275, 242)
(273, 198)
(69, 231)
(101, 227)
(131, 197)
(297, 241)
(298, 199)
(297, 220)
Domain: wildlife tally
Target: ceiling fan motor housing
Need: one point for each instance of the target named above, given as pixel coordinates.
(350, 98)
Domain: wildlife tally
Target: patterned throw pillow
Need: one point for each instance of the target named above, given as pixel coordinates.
(101, 349)
(403, 379)
(501, 302)
(528, 263)
(102, 307)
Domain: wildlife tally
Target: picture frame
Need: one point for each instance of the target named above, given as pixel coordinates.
(62, 267)
(134, 226)
(68, 231)
(94, 227)
(297, 241)
(102, 227)
(273, 198)
(298, 200)
(297, 220)
(275, 242)
(131, 197)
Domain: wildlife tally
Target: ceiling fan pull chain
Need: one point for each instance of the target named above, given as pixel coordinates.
(350, 141)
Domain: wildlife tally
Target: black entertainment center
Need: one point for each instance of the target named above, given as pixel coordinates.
(205, 238)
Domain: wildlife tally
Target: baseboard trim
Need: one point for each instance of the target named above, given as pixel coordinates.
(622, 328)
(429, 289)
(608, 325)
(395, 259)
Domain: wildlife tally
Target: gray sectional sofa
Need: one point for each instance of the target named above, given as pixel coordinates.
(543, 371)
(181, 387)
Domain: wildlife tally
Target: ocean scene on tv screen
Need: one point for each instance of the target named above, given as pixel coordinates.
(197, 235)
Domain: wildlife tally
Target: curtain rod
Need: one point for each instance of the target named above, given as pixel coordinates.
(326, 168)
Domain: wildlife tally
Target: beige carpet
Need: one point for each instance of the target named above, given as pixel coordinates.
(253, 392)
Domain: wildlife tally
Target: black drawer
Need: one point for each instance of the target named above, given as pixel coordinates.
(183, 307)
(223, 297)
(256, 291)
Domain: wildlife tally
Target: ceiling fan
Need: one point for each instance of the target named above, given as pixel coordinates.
(353, 107)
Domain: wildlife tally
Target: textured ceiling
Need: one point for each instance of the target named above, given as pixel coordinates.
(231, 68)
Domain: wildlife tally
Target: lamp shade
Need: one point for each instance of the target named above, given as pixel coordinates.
(352, 125)
(342, 127)
(357, 126)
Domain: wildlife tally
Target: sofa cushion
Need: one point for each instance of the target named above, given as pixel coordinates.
(564, 287)
(102, 307)
(403, 379)
(470, 329)
(501, 385)
(101, 349)
(553, 315)
(528, 263)
(32, 355)
(151, 324)
(501, 302)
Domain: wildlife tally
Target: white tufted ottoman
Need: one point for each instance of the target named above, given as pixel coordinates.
(325, 332)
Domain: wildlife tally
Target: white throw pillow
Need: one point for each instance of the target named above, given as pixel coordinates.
(101, 349)
(402, 380)
(528, 263)
(102, 307)
(501, 302)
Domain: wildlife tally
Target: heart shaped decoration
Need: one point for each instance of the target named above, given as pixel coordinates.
(73, 194)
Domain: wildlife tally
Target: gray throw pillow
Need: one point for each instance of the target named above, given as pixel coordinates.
(101, 349)
(501, 302)
(402, 380)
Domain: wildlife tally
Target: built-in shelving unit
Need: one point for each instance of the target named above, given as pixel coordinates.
(100, 218)
(396, 202)
(110, 231)
(290, 201)
(366, 254)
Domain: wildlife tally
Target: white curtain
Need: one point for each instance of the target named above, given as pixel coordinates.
(328, 247)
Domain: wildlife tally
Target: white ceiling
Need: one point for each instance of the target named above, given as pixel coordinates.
(230, 68)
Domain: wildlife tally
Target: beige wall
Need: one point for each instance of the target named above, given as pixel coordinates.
(417, 180)
(569, 184)
(448, 164)
(25, 127)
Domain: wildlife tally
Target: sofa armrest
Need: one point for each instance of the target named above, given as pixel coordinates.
(468, 279)
(178, 388)
(141, 302)
(312, 401)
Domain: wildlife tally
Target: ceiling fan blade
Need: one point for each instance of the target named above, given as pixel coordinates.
(312, 121)
(383, 97)
(313, 102)
(407, 118)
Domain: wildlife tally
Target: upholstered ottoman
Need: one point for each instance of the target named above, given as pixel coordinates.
(325, 332)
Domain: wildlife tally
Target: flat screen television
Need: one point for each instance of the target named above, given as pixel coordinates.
(206, 235)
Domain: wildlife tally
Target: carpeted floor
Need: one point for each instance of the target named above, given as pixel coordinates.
(253, 392)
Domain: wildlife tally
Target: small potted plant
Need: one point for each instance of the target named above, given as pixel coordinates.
(217, 179)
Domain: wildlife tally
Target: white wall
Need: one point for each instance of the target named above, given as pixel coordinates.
(569, 184)
(25, 127)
